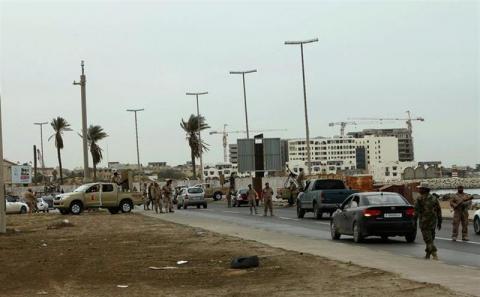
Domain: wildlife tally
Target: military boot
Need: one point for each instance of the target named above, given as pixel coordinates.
(434, 256)
(427, 256)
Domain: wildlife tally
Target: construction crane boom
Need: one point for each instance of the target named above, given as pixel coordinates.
(225, 136)
(342, 125)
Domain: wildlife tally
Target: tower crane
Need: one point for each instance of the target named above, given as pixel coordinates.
(225, 134)
(408, 120)
(342, 126)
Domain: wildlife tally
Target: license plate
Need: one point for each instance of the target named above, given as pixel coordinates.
(393, 215)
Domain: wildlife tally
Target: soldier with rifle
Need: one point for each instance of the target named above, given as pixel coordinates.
(460, 204)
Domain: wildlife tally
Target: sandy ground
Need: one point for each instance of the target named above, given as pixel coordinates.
(101, 251)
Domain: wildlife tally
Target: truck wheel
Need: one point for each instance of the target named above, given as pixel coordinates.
(205, 205)
(300, 211)
(217, 196)
(113, 210)
(76, 208)
(198, 205)
(179, 206)
(317, 211)
(333, 231)
(357, 235)
(126, 206)
(23, 210)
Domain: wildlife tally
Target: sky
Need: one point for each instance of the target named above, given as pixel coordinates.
(373, 59)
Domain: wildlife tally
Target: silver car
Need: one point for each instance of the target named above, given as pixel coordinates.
(194, 196)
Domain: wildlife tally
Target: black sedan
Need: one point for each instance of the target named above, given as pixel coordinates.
(381, 214)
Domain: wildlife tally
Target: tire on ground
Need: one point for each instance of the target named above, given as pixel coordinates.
(244, 262)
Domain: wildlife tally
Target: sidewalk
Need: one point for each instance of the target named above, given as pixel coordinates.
(460, 279)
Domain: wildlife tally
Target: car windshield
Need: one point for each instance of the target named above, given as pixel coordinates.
(195, 190)
(385, 199)
(328, 184)
(243, 191)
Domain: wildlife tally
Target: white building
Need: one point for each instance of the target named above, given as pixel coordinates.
(328, 155)
(213, 172)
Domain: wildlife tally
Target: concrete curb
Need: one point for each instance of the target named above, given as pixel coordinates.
(460, 279)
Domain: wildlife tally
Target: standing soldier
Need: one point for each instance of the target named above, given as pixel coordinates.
(293, 193)
(429, 214)
(145, 197)
(252, 196)
(157, 196)
(116, 178)
(231, 189)
(300, 180)
(167, 194)
(459, 204)
(30, 199)
(267, 194)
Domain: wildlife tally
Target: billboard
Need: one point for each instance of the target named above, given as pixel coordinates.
(272, 154)
(246, 155)
(21, 174)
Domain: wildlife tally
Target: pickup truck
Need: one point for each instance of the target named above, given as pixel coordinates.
(213, 192)
(97, 195)
(322, 196)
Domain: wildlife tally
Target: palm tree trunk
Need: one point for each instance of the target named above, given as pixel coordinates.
(194, 169)
(60, 166)
(94, 172)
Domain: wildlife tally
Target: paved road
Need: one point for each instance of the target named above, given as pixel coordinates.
(456, 253)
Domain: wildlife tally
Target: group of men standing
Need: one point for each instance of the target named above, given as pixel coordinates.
(159, 197)
(429, 215)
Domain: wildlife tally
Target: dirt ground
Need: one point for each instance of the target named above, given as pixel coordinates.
(101, 251)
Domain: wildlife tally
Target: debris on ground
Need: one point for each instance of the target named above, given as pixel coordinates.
(181, 262)
(162, 268)
(122, 286)
(245, 262)
(62, 224)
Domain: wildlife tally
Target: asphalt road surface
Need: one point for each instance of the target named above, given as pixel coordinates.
(460, 253)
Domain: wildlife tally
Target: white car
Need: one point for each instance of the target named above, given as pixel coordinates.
(16, 207)
(42, 205)
(194, 196)
(476, 222)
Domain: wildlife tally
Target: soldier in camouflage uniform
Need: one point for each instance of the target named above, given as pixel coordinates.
(167, 194)
(460, 204)
(429, 214)
(157, 198)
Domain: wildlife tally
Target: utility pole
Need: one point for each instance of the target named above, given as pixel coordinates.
(41, 145)
(82, 84)
(136, 135)
(199, 136)
(309, 156)
(245, 95)
(3, 215)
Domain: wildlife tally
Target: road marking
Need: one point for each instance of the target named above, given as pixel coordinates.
(470, 267)
(229, 211)
(459, 241)
(322, 223)
(285, 218)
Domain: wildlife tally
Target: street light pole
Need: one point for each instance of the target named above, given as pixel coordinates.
(301, 43)
(136, 135)
(245, 95)
(3, 215)
(41, 144)
(199, 136)
(82, 84)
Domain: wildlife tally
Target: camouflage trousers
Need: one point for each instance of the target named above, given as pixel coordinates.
(158, 203)
(168, 204)
(268, 205)
(428, 233)
(460, 217)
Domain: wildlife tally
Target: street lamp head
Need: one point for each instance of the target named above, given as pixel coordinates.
(197, 93)
(135, 110)
(243, 72)
(41, 123)
(302, 41)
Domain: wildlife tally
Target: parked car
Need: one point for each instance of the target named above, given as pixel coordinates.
(476, 222)
(241, 197)
(42, 205)
(12, 198)
(213, 192)
(322, 196)
(49, 199)
(98, 195)
(194, 196)
(383, 214)
(16, 207)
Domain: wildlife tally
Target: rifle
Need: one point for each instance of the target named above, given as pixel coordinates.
(455, 205)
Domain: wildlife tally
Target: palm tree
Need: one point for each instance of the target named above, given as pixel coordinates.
(94, 135)
(192, 127)
(59, 125)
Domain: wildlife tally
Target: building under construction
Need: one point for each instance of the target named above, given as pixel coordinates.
(405, 140)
